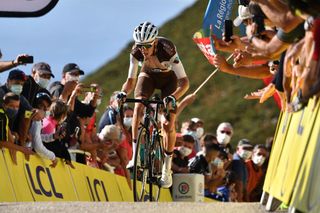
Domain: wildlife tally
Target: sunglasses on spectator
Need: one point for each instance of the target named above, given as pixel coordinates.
(227, 132)
(146, 46)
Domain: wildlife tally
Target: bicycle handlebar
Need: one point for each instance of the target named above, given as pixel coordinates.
(144, 101)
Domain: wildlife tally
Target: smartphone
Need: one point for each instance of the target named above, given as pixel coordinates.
(260, 24)
(25, 60)
(228, 30)
(243, 2)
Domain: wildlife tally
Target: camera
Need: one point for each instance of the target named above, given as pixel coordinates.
(25, 60)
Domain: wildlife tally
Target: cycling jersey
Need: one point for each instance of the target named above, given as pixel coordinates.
(167, 59)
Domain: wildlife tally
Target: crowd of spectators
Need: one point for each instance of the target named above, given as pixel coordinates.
(60, 119)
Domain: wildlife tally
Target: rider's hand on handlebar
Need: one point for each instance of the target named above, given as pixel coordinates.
(121, 97)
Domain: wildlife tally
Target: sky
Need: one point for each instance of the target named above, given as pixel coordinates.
(86, 32)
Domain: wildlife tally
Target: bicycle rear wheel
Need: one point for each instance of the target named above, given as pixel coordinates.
(141, 167)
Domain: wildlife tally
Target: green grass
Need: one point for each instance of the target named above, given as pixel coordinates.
(221, 99)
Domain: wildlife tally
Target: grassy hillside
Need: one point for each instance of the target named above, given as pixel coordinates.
(222, 97)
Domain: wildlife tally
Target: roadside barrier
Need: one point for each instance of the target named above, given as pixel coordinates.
(35, 180)
(294, 166)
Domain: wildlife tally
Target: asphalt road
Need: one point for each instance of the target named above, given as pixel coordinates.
(117, 207)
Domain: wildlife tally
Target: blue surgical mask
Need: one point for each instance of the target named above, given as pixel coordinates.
(11, 113)
(16, 89)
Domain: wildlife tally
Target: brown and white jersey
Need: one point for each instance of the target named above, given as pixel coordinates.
(164, 59)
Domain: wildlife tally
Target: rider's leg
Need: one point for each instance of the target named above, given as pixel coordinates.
(170, 140)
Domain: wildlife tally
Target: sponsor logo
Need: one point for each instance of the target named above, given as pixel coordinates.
(183, 188)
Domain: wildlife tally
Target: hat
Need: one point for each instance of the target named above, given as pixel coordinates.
(72, 67)
(243, 13)
(196, 120)
(110, 132)
(43, 67)
(17, 74)
(245, 143)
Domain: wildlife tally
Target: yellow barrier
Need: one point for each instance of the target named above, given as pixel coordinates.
(18, 176)
(294, 167)
(6, 189)
(35, 180)
(306, 194)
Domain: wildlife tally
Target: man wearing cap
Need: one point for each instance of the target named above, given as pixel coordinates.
(38, 81)
(238, 166)
(63, 89)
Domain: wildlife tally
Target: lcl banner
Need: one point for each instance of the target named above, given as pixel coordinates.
(26, 8)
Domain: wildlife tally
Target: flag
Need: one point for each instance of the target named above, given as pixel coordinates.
(217, 11)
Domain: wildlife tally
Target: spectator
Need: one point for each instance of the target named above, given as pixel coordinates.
(110, 115)
(10, 104)
(255, 173)
(38, 81)
(43, 102)
(63, 89)
(238, 166)
(226, 192)
(126, 136)
(54, 130)
(112, 134)
(180, 155)
(201, 164)
(199, 127)
(224, 135)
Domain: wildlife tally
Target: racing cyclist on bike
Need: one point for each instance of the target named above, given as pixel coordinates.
(161, 69)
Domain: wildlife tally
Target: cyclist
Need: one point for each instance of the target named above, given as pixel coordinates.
(161, 69)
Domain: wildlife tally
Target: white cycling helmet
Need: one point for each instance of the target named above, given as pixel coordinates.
(146, 32)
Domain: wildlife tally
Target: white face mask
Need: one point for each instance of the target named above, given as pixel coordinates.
(41, 81)
(16, 89)
(184, 151)
(218, 162)
(199, 132)
(258, 159)
(127, 122)
(245, 154)
(223, 138)
(98, 102)
(72, 78)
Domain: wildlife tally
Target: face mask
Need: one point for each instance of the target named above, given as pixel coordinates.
(223, 138)
(127, 122)
(47, 114)
(184, 151)
(11, 113)
(98, 102)
(245, 154)
(218, 163)
(42, 82)
(72, 78)
(199, 132)
(258, 159)
(16, 89)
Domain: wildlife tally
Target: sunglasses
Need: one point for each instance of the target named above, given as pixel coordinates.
(227, 132)
(146, 46)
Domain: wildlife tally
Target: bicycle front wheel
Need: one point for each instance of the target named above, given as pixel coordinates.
(141, 168)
